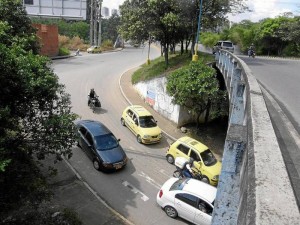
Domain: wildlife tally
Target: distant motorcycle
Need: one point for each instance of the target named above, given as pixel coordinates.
(94, 103)
(251, 53)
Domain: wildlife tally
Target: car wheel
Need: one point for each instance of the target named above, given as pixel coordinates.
(205, 179)
(170, 159)
(171, 212)
(139, 139)
(123, 122)
(96, 164)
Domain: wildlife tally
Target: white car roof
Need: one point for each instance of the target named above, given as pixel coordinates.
(201, 189)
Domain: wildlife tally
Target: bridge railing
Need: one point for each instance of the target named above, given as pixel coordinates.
(254, 187)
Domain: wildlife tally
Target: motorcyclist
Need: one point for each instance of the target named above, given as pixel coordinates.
(92, 95)
(187, 169)
(251, 50)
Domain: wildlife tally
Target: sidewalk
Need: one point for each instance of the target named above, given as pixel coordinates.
(72, 192)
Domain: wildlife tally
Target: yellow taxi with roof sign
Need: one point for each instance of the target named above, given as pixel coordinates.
(204, 159)
(140, 121)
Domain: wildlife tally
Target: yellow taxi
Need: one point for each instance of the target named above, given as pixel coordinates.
(140, 121)
(204, 159)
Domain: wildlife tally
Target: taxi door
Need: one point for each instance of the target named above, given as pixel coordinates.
(182, 151)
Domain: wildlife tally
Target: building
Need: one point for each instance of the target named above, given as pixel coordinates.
(114, 11)
(105, 12)
(67, 9)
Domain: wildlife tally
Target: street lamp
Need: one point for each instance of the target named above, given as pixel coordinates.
(195, 56)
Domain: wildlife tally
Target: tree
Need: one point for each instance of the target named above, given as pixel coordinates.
(35, 111)
(172, 21)
(110, 28)
(196, 88)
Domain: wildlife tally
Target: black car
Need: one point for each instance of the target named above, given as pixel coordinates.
(101, 146)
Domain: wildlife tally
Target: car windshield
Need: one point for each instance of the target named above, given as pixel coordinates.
(147, 121)
(179, 184)
(208, 158)
(227, 44)
(106, 142)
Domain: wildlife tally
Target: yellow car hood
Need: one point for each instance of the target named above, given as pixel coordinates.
(153, 131)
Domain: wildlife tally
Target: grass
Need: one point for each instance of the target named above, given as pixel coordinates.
(158, 68)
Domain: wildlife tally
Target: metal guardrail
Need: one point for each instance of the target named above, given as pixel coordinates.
(254, 187)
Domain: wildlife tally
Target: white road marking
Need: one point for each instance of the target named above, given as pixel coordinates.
(150, 180)
(135, 190)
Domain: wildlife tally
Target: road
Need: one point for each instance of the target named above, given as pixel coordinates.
(281, 80)
(132, 191)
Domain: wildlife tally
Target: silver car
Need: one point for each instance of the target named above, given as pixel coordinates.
(225, 45)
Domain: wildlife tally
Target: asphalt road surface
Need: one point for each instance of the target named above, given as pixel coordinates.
(132, 191)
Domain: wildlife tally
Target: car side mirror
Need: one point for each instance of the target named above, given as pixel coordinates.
(119, 140)
(200, 164)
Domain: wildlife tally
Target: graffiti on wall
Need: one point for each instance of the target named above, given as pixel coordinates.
(150, 98)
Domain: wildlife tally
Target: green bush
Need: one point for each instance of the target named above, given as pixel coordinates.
(63, 51)
(157, 67)
(107, 45)
(291, 50)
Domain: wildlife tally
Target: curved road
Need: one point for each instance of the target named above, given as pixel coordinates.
(132, 191)
(280, 79)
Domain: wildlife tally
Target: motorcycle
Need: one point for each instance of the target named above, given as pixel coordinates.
(182, 172)
(251, 53)
(94, 103)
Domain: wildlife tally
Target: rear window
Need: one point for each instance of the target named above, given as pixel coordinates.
(179, 184)
(227, 44)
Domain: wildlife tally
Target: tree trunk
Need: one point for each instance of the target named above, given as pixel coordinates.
(207, 111)
(166, 50)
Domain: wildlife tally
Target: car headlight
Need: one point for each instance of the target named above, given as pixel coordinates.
(147, 136)
(216, 177)
(159, 136)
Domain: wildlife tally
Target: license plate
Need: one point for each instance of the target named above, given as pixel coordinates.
(118, 167)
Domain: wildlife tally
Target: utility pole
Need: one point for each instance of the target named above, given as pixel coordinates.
(91, 22)
(195, 56)
(95, 22)
(100, 17)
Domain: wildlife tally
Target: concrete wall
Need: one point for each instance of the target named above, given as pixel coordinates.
(154, 92)
(254, 187)
(48, 35)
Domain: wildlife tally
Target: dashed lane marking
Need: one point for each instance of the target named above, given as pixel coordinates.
(150, 180)
(135, 190)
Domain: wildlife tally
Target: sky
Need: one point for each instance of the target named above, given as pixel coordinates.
(260, 8)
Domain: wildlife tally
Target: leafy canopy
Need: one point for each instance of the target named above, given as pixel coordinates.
(35, 111)
(196, 88)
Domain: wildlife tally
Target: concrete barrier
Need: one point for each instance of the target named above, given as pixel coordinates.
(254, 187)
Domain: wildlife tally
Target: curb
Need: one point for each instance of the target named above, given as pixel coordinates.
(96, 194)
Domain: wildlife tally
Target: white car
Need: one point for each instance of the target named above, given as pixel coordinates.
(188, 198)
(93, 49)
